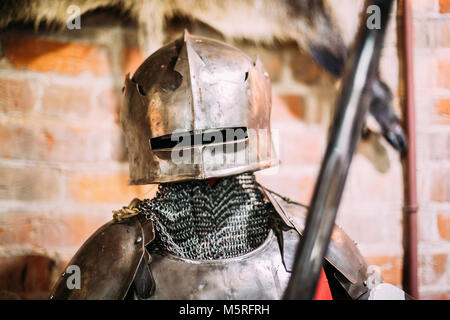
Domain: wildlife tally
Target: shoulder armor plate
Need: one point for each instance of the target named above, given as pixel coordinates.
(342, 254)
(108, 261)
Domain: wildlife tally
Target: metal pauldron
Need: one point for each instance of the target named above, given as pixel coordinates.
(111, 259)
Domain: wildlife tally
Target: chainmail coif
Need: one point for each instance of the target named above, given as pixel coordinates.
(197, 220)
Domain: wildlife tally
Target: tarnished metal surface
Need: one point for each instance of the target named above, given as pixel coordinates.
(144, 283)
(110, 258)
(197, 85)
(342, 253)
(259, 274)
(108, 261)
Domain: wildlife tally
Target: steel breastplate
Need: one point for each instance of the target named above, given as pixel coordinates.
(114, 258)
(259, 274)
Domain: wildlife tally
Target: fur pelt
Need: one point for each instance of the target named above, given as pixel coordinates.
(308, 22)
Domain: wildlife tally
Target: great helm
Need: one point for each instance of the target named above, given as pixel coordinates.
(195, 109)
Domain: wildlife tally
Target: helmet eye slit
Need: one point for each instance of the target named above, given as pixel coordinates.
(198, 138)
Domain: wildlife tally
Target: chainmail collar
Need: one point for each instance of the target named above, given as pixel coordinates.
(196, 220)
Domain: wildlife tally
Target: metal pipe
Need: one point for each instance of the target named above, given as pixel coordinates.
(405, 35)
(351, 110)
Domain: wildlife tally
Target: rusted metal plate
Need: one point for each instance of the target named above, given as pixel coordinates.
(257, 275)
(107, 261)
(342, 253)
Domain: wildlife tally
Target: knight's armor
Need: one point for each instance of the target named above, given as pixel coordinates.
(196, 119)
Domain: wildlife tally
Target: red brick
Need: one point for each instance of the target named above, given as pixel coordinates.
(109, 101)
(442, 32)
(305, 187)
(301, 146)
(443, 221)
(444, 73)
(438, 145)
(38, 277)
(30, 183)
(11, 273)
(28, 276)
(81, 102)
(132, 58)
(426, 72)
(16, 230)
(432, 33)
(15, 140)
(444, 6)
(443, 109)
(44, 229)
(439, 264)
(272, 63)
(66, 101)
(295, 105)
(78, 227)
(280, 111)
(17, 95)
(421, 6)
(107, 187)
(304, 69)
(391, 268)
(371, 183)
(433, 269)
(60, 142)
(52, 56)
(435, 296)
(440, 185)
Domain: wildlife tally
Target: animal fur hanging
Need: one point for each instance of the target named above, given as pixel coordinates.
(308, 22)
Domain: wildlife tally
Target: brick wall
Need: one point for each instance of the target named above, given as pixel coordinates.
(63, 164)
(62, 167)
(432, 54)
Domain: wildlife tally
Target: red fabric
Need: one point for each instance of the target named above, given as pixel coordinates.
(323, 291)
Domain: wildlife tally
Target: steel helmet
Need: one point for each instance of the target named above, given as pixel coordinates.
(197, 108)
